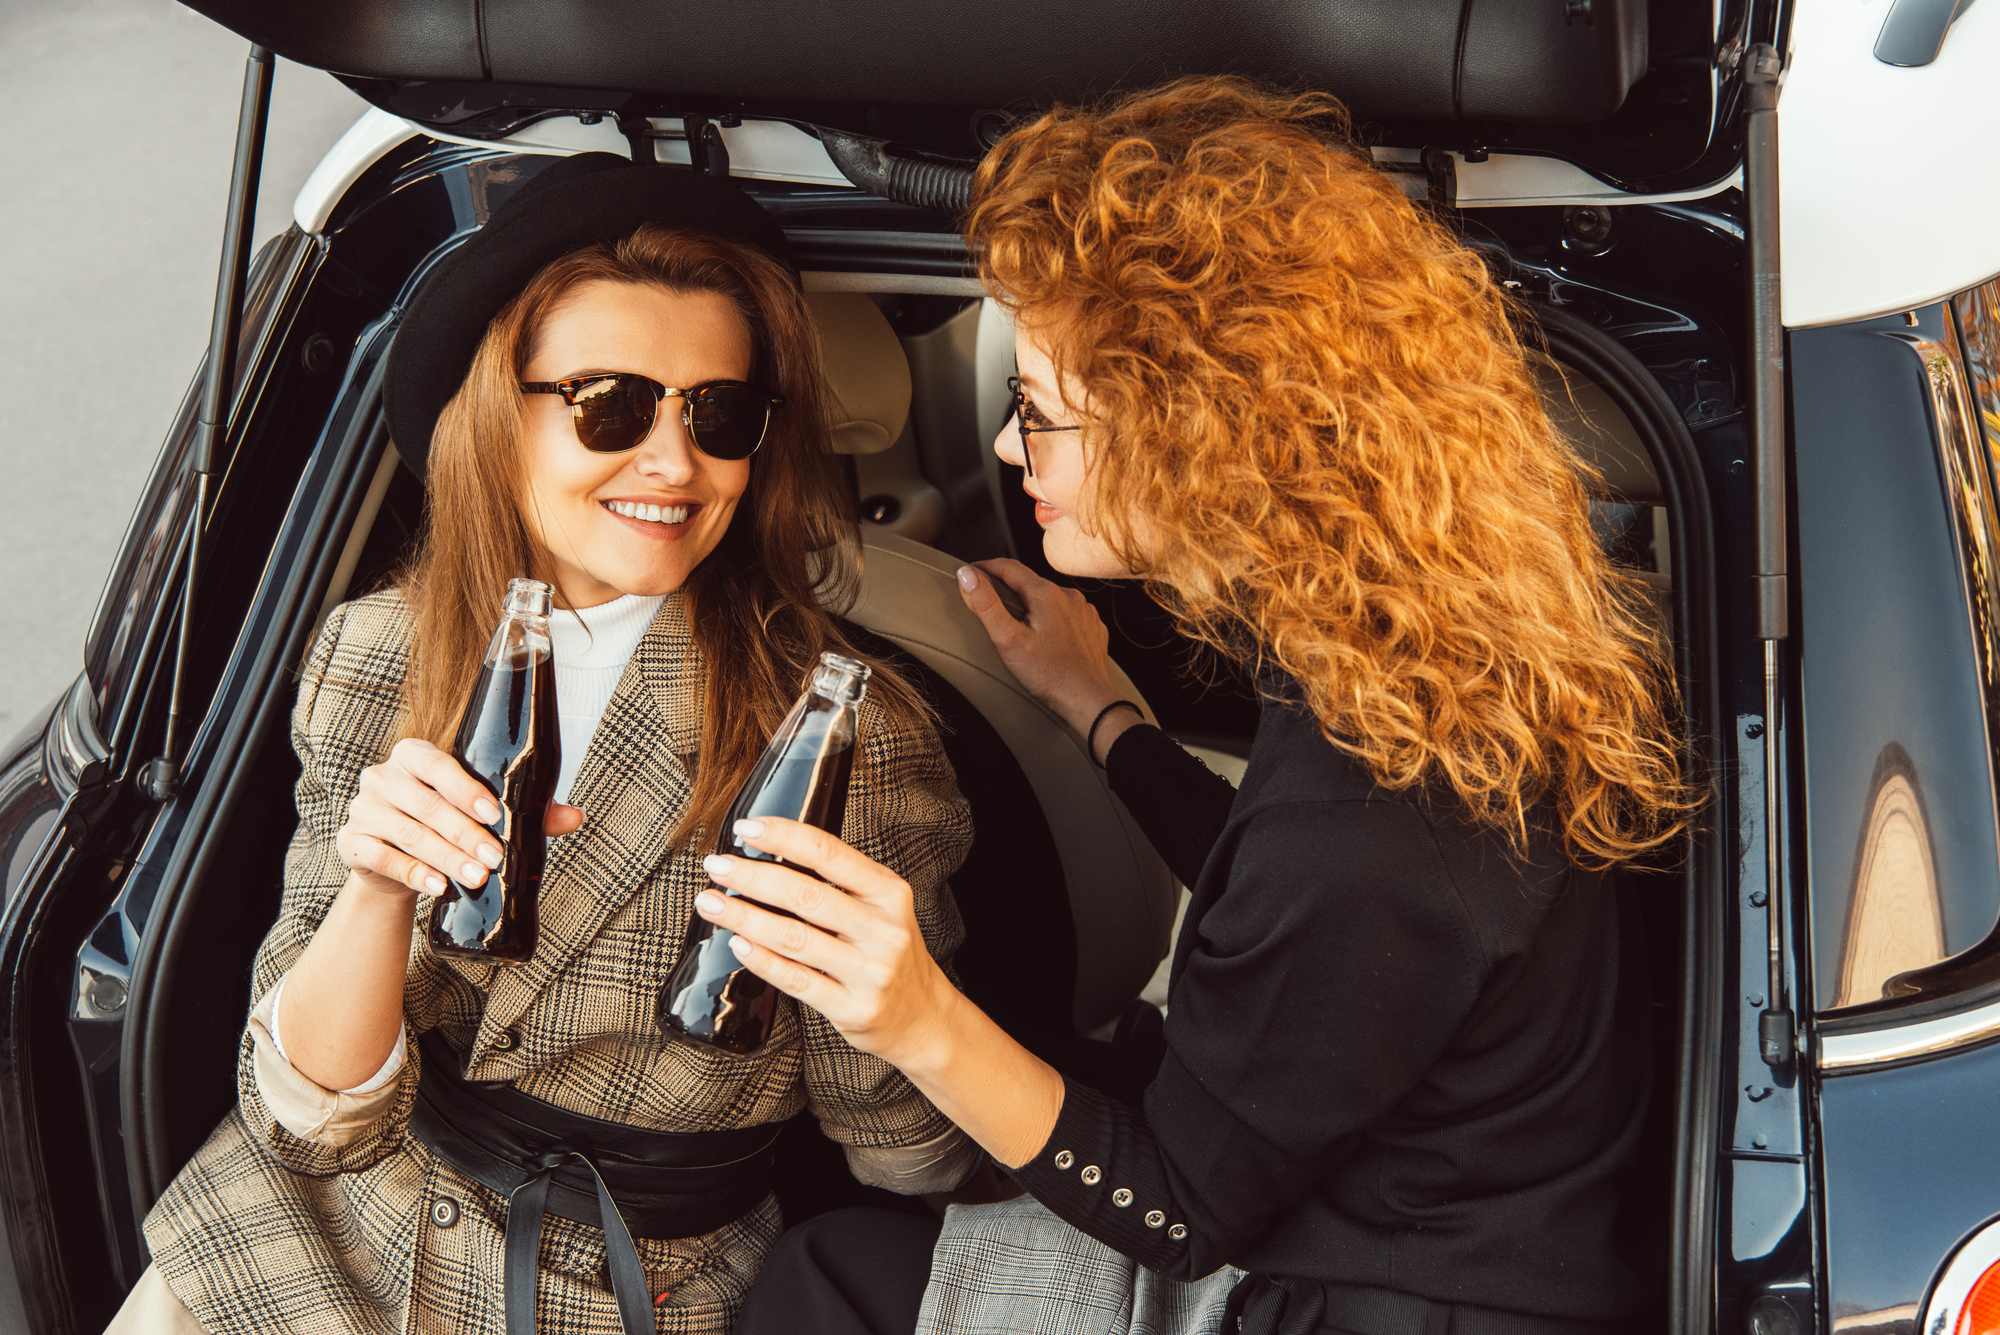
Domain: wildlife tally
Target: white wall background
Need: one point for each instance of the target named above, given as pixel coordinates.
(117, 126)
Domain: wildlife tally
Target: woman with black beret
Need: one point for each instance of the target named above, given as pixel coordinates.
(613, 387)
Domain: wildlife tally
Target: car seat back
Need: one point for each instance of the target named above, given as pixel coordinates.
(1122, 897)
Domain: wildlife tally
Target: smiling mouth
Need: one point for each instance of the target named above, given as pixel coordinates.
(650, 514)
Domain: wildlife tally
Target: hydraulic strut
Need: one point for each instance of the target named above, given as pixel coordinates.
(160, 778)
(1777, 1027)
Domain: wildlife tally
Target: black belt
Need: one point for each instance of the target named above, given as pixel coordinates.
(547, 1160)
(1277, 1305)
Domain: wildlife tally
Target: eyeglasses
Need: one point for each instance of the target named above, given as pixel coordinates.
(1028, 420)
(614, 412)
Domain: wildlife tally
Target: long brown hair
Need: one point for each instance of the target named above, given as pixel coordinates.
(1309, 396)
(757, 604)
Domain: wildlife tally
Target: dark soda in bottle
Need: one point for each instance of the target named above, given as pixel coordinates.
(509, 742)
(802, 775)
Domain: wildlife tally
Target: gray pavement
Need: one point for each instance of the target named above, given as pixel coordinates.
(120, 121)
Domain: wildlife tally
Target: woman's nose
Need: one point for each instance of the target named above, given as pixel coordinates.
(1008, 443)
(668, 452)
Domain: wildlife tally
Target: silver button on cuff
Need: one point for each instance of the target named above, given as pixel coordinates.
(1154, 1218)
(444, 1212)
(1121, 1198)
(1064, 1159)
(1092, 1176)
(1177, 1232)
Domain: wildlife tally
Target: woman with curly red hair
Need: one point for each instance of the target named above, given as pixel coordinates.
(1405, 1067)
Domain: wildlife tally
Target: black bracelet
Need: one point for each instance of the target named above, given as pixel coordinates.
(1090, 737)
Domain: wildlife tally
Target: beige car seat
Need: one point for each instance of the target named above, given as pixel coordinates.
(1122, 898)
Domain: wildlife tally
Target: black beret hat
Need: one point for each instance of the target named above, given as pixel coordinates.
(576, 202)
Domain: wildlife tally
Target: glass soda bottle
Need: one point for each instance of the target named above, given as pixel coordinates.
(802, 775)
(508, 741)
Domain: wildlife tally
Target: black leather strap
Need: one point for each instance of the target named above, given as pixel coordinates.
(547, 1160)
(525, 1211)
(667, 1184)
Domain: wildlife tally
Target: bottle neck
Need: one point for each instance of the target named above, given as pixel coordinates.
(529, 597)
(520, 638)
(840, 680)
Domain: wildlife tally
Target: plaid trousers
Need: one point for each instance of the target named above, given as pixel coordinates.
(1015, 1269)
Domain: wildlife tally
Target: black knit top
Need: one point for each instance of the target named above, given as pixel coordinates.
(1398, 1055)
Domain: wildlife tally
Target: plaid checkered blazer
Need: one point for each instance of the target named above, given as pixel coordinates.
(265, 1231)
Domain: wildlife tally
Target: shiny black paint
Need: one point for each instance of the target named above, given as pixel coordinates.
(1884, 605)
(178, 1043)
(30, 803)
(143, 581)
(1910, 1170)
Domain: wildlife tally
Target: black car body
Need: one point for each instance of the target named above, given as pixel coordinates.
(1818, 1171)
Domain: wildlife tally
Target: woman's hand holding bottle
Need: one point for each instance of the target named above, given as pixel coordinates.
(416, 818)
(856, 955)
(1059, 654)
(866, 967)
(419, 818)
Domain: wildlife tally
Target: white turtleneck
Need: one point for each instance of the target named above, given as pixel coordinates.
(592, 646)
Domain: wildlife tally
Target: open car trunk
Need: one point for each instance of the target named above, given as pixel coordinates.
(1616, 97)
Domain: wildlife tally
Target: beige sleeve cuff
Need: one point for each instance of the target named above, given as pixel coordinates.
(939, 1164)
(320, 1116)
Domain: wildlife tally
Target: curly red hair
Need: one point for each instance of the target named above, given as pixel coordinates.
(1307, 396)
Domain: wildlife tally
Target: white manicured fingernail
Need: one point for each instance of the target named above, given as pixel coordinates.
(750, 829)
(740, 946)
(489, 854)
(471, 873)
(967, 579)
(434, 884)
(708, 902)
(486, 811)
(719, 865)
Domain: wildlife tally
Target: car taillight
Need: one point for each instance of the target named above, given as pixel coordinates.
(1965, 1297)
(1981, 1313)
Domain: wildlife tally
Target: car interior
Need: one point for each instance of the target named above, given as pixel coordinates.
(1069, 912)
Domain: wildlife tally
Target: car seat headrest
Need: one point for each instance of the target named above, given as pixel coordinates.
(866, 371)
